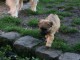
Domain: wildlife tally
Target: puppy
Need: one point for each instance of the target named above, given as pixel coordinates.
(49, 27)
(16, 5)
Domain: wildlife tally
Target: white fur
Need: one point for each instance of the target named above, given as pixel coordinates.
(16, 5)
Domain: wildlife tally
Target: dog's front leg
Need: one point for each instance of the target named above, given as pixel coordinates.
(13, 5)
(33, 4)
(14, 11)
(49, 40)
(20, 4)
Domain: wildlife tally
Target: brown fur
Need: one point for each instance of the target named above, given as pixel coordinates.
(49, 27)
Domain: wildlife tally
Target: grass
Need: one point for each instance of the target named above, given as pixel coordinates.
(5, 56)
(76, 21)
(49, 6)
(46, 1)
(60, 44)
(33, 22)
(77, 47)
(64, 14)
(8, 21)
(69, 8)
(31, 32)
(13, 24)
(29, 12)
(66, 29)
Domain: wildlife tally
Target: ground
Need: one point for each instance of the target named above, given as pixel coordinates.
(68, 37)
(68, 11)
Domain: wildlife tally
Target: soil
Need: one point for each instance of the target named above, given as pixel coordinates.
(71, 39)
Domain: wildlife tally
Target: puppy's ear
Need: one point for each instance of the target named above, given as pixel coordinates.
(39, 22)
(51, 23)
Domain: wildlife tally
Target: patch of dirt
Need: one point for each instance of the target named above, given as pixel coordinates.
(3, 8)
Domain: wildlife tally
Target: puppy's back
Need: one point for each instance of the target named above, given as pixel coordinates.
(54, 18)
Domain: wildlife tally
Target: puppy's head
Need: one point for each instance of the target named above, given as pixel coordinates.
(44, 26)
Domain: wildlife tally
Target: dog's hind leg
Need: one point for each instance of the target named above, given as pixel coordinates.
(34, 4)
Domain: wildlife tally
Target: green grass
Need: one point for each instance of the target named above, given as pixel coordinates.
(69, 8)
(49, 6)
(33, 22)
(8, 21)
(31, 32)
(46, 1)
(29, 12)
(66, 29)
(8, 48)
(76, 47)
(13, 24)
(64, 14)
(60, 44)
(76, 21)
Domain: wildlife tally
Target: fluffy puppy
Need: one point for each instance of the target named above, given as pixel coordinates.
(49, 27)
(16, 5)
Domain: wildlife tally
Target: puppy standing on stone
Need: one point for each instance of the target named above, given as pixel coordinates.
(49, 27)
(16, 5)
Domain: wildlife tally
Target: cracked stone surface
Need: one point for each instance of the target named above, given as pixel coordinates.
(10, 36)
(26, 43)
(47, 54)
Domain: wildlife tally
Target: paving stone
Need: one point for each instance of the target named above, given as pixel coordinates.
(26, 43)
(9, 37)
(47, 54)
(69, 56)
(1, 32)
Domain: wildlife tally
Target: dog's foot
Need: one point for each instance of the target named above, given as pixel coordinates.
(47, 48)
(33, 9)
(15, 16)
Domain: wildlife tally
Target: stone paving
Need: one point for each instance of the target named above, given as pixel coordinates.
(29, 45)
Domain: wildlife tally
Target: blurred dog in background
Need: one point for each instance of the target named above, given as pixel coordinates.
(16, 5)
(49, 27)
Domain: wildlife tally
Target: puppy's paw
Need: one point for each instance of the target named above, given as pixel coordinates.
(47, 48)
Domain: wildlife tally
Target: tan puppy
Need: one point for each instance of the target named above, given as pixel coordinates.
(49, 27)
(16, 5)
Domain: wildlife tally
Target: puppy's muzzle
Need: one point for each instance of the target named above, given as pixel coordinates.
(43, 31)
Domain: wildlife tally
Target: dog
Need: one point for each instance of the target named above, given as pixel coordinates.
(16, 5)
(48, 27)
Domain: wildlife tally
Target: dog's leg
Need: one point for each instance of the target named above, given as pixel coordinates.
(15, 9)
(10, 4)
(33, 4)
(20, 4)
(49, 40)
(13, 5)
(14, 13)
